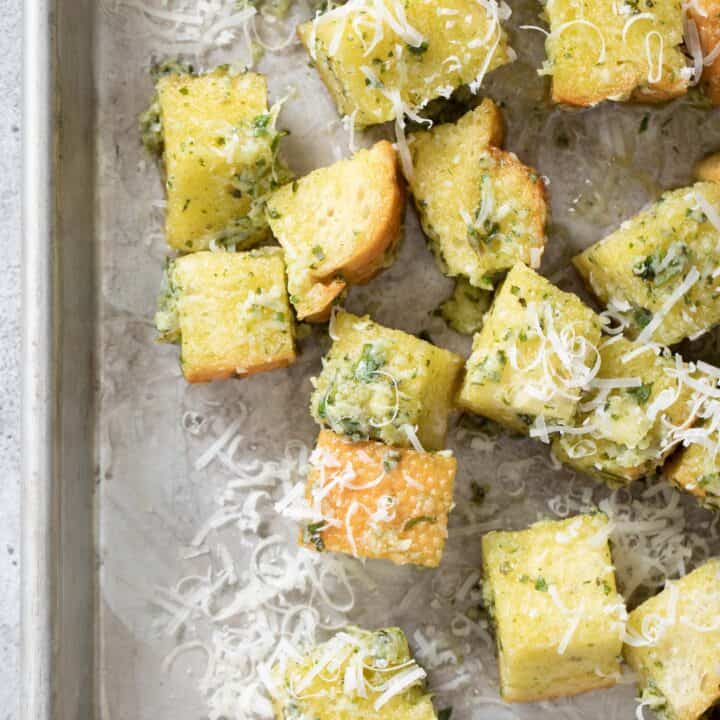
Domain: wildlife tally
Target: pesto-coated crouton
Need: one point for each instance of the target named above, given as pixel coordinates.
(658, 271)
(534, 355)
(219, 153)
(356, 675)
(673, 642)
(379, 60)
(606, 50)
(482, 209)
(229, 311)
(384, 384)
(559, 621)
(628, 419)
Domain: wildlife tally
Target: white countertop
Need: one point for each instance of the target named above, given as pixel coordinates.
(10, 110)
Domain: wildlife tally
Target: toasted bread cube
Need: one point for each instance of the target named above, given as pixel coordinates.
(339, 225)
(464, 311)
(383, 384)
(558, 618)
(230, 313)
(375, 64)
(635, 401)
(696, 469)
(706, 16)
(673, 642)
(219, 156)
(708, 169)
(603, 50)
(482, 209)
(657, 271)
(357, 675)
(379, 502)
(533, 355)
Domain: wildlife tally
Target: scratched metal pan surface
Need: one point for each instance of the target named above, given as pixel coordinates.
(128, 470)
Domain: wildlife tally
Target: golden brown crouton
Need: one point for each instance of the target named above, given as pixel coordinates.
(706, 16)
(657, 270)
(229, 311)
(219, 152)
(379, 502)
(629, 425)
(384, 384)
(339, 225)
(533, 356)
(482, 208)
(559, 620)
(603, 50)
(379, 60)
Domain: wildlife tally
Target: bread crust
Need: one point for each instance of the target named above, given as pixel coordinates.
(366, 261)
(367, 192)
(224, 370)
(708, 169)
(706, 15)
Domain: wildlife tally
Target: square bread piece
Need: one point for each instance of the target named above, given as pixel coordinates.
(219, 156)
(607, 50)
(482, 209)
(657, 272)
(628, 414)
(379, 60)
(706, 16)
(229, 311)
(535, 352)
(558, 618)
(356, 675)
(383, 384)
(673, 644)
(339, 225)
(379, 502)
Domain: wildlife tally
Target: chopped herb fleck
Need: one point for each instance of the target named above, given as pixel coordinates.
(541, 584)
(642, 393)
(412, 522)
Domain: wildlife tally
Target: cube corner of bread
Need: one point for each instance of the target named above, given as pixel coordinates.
(597, 52)
(481, 207)
(504, 379)
(379, 502)
(379, 383)
(362, 674)
(339, 226)
(230, 313)
(558, 618)
(672, 644)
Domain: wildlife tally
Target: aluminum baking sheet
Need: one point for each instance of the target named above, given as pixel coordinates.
(152, 429)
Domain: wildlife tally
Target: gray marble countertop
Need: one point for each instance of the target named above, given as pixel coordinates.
(10, 236)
